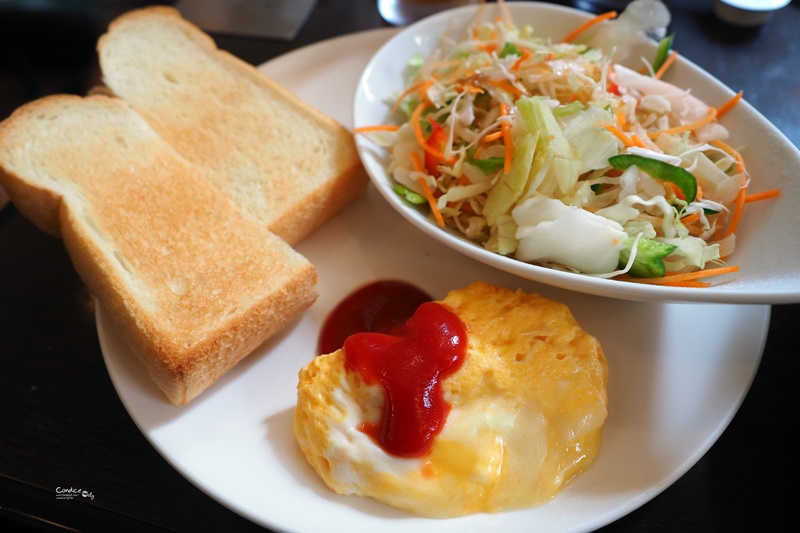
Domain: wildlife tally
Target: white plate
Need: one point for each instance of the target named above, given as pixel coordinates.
(766, 252)
(678, 372)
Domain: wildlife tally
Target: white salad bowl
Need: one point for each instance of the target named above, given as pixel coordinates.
(767, 246)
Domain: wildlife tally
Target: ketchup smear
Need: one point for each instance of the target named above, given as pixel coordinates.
(408, 360)
(381, 306)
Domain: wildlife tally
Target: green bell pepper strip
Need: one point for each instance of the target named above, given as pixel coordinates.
(489, 165)
(649, 260)
(660, 170)
(664, 47)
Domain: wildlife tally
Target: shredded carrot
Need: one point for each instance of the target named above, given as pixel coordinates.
(727, 106)
(420, 138)
(506, 86)
(470, 89)
(741, 197)
(421, 86)
(627, 141)
(696, 284)
(431, 202)
(688, 219)
(671, 279)
(638, 141)
(731, 152)
(676, 190)
(379, 127)
(525, 55)
(588, 24)
(756, 196)
(505, 128)
(619, 134)
(488, 47)
(712, 114)
(667, 63)
(738, 209)
(492, 136)
(621, 120)
(418, 166)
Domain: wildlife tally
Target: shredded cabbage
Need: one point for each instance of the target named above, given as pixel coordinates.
(560, 111)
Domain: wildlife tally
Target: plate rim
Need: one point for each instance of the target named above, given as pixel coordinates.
(105, 335)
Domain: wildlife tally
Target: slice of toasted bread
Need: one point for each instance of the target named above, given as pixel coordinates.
(281, 160)
(191, 282)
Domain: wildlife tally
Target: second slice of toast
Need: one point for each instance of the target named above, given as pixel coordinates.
(281, 160)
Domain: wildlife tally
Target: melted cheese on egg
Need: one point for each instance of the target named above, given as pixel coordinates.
(527, 408)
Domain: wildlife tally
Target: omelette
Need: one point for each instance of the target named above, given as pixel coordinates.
(521, 411)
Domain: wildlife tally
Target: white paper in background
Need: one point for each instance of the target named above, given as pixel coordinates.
(271, 19)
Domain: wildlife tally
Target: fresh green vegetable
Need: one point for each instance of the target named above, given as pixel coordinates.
(510, 187)
(568, 109)
(664, 48)
(522, 137)
(649, 260)
(408, 195)
(660, 170)
(592, 144)
(488, 165)
(539, 118)
(510, 49)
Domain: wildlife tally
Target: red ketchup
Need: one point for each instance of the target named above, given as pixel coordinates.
(381, 307)
(408, 360)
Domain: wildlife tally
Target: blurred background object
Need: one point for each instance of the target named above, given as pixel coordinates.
(405, 12)
(279, 19)
(747, 12)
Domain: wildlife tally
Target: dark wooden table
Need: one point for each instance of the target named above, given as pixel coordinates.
(62, 424)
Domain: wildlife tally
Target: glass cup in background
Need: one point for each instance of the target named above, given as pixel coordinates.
(404, 12)
(600, 6)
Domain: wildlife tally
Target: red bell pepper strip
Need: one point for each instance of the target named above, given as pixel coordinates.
(437, 141)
